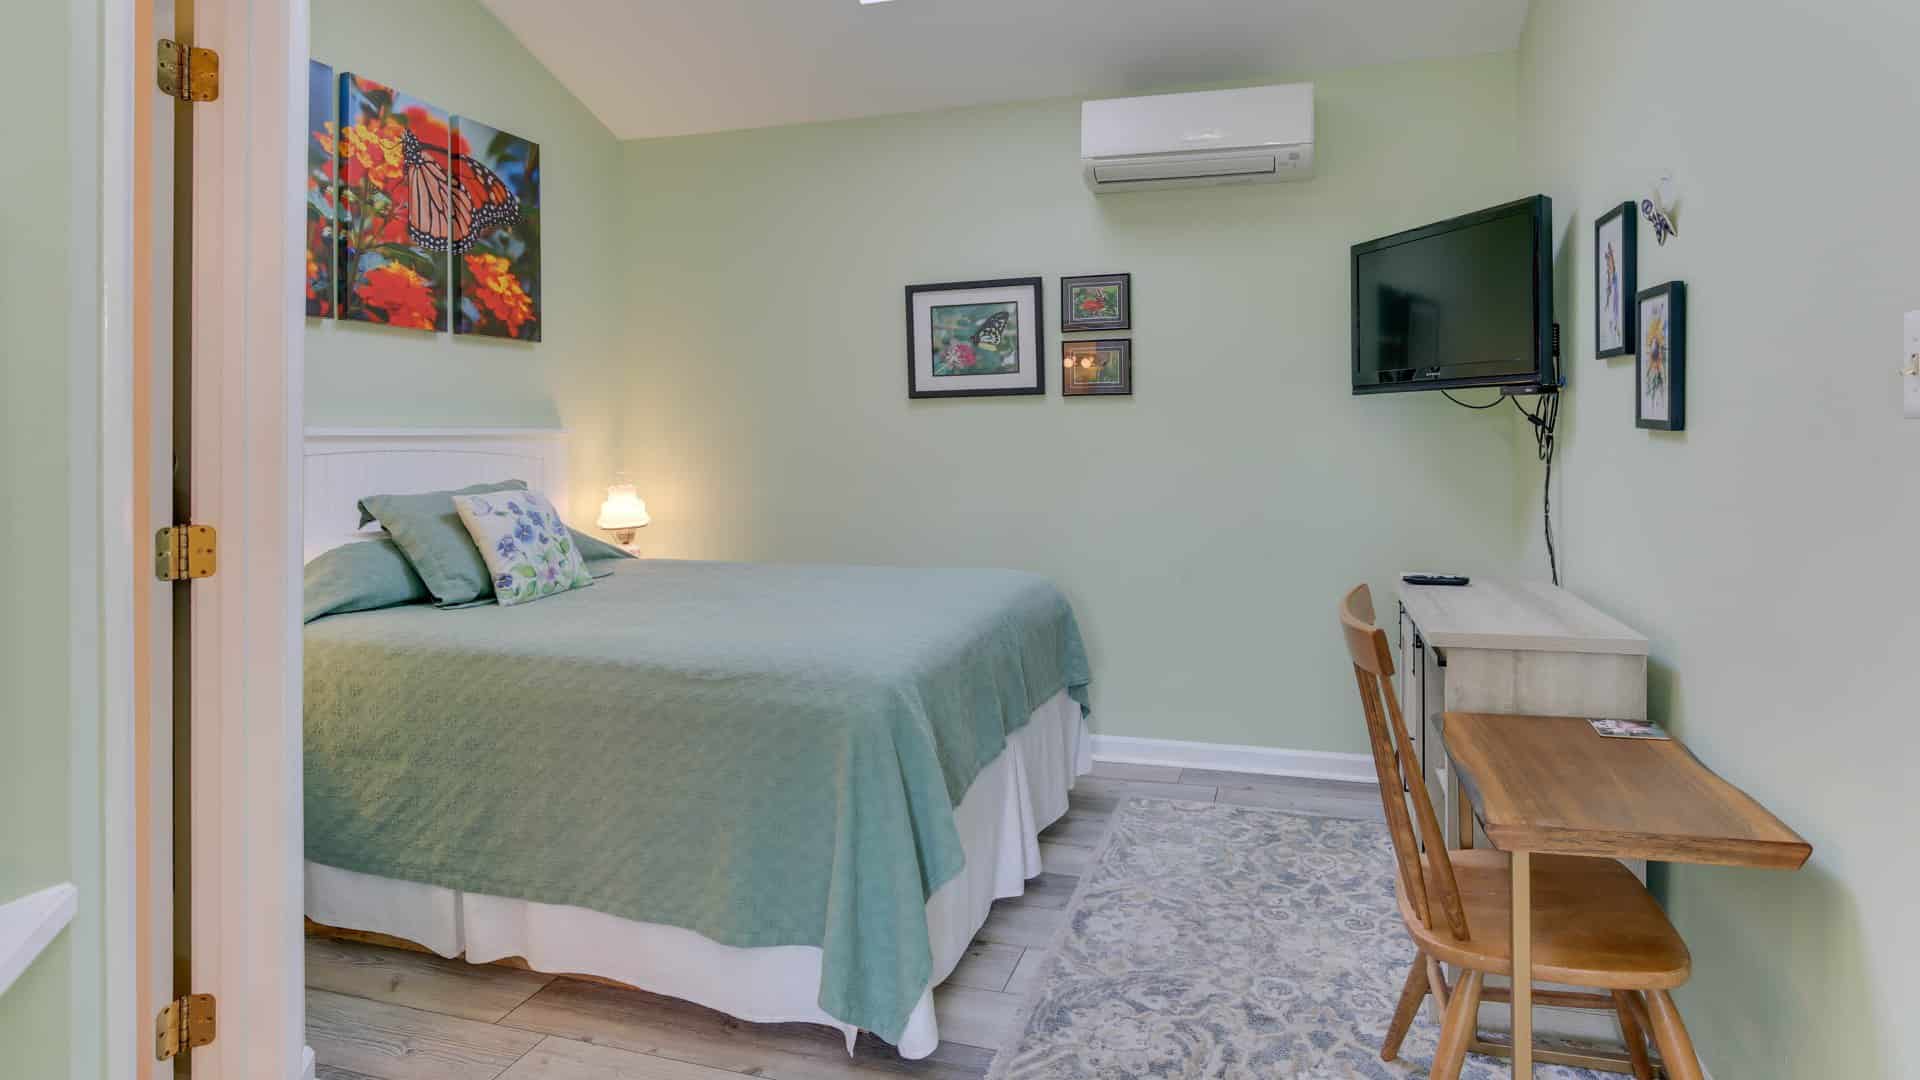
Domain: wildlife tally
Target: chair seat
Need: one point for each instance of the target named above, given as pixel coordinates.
(1594, 924)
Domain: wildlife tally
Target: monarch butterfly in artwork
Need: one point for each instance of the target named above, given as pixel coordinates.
(386, 275)
(496, 283)
(448, 213)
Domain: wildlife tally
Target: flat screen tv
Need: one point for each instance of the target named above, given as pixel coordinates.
(1464, 302)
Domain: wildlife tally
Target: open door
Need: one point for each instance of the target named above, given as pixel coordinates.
(217, 321)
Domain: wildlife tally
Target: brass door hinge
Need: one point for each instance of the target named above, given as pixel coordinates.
(185, 552)
(183, 1025)
(187, 73)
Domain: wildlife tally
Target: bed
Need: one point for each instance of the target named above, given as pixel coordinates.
(789, 793)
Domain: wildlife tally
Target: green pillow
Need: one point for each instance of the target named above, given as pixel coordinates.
(362, 576)
(429, 531)
(593, 549)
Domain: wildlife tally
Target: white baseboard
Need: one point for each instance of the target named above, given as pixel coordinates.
(307, 1066)
(1270, 760)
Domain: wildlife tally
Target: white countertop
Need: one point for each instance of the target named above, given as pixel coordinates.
(1492, 613)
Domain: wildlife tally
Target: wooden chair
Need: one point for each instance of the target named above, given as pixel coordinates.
(1594, 924)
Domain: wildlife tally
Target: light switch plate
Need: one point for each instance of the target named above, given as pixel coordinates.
(1910, 367)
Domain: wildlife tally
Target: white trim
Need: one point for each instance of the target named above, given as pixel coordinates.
(249, 164)
(28, 925)
(307, 1064)
(120, 938)
(1268, 760)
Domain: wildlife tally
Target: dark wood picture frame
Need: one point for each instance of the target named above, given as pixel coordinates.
(1671, 355)
(1124, 346)
(1069, 324)
(1629, 278)
(1036, 287)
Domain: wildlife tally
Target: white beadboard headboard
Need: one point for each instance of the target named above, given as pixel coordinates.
(344, 465)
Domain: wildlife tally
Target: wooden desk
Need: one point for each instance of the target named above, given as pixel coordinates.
(1500, 646)
(1551, 785)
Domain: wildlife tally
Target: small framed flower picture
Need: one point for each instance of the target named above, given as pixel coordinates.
(1616, 276)
(975, 339)
(1660, 375)
(1096, 302)
(1101, 367)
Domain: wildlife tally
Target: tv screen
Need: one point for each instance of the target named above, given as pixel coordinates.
(1465, 302)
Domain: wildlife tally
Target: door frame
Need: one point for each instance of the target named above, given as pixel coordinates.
(248, 371)
(248, 311)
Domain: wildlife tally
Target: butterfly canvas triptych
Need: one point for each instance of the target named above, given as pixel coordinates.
(432, 221)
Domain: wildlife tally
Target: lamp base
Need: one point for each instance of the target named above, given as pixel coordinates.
(623, 539)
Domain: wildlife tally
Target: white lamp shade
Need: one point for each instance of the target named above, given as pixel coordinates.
(623, 509)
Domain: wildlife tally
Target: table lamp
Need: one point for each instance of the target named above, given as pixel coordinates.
(622, 514)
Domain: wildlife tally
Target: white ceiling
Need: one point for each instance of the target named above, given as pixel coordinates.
(675, 67)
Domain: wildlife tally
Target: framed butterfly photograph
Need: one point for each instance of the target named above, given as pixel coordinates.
(975, 339)
(495, 233)
(1616, 277)
(1096, 302)
(394, 200)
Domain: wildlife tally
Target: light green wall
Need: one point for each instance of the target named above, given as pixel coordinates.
(1203, 528)
(456, 55)
(49, 434)
(1769, 551)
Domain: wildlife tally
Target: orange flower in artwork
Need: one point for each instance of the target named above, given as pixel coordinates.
(313, 272)
(500, 292)
(325, 138)
(373, 148)
(401, 294)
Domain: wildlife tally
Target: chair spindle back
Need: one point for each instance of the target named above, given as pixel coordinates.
(1398, 768)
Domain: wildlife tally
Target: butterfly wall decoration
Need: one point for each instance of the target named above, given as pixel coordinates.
(438, 219)
(993, 330)
(1661, 209)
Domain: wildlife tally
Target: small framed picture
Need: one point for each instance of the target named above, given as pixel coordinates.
(1660, 375)
(1616, 276)
(1096, 302)
(1102, 367)
(975, 339)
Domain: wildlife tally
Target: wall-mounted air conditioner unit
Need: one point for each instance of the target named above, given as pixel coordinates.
(1259, 135)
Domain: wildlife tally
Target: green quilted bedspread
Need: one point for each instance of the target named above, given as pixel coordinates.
(763, 754)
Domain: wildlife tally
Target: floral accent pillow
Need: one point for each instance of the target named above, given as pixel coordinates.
(527, 548)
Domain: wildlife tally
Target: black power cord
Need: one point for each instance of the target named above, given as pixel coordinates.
(1545, 418)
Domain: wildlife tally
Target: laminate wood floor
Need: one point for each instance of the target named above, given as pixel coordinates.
(388, 1014)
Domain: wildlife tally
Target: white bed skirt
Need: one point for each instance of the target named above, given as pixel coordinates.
(1018, 794)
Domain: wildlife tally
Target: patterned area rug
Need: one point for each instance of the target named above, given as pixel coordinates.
(1225, 941)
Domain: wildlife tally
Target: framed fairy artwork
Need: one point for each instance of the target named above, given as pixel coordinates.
(1616, 263)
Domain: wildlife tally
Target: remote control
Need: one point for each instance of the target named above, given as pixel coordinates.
(1434, 579)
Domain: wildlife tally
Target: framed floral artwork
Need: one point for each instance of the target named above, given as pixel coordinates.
(1660, 375)
(1096, 302)
(975, 339)
(1096, 368)
(397, 218)
(1616, 276)
(321, 132)
(496, 242)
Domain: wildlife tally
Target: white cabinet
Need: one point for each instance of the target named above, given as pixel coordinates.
(1509, 647)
